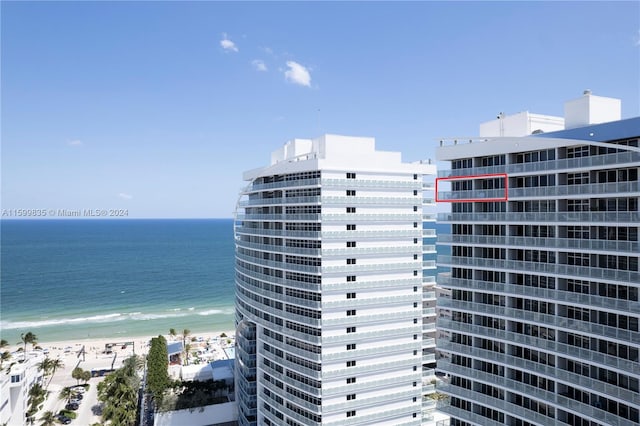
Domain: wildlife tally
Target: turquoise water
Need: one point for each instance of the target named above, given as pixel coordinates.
(79, 279)
(76, 279)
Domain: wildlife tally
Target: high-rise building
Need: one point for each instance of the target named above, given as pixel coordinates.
(329, 287)
(538, 316)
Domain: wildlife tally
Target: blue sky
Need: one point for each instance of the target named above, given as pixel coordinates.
(158, 107)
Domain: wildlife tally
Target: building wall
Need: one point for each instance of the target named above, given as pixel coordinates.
(329, 277)
(538, 319)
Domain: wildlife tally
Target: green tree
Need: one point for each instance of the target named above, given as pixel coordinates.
(4, 356)
(66, 394)
(157, 366)
(45, 366)
(36, 397)
(172, 333)
(187, 351)
(78, 374)
(86, 376)
(30, 338)
(48, 419)
(119, 394)
(185, 338)
(55, 364)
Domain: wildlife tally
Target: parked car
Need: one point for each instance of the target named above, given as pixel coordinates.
(71, 406)
(74, 401)
(79, 389)
(78, 395)
(63, 419)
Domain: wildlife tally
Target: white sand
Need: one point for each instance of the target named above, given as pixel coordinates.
(69, 350)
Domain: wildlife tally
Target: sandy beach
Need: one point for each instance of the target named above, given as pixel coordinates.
(70, 351)
(206, 347)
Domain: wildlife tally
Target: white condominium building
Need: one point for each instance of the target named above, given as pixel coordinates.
(329, 287)
(538, 318)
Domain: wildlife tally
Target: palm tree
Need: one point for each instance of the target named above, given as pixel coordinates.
(172, 333)
(54, 365)
(185, 336)
(28, 337)
(66, 393)
(48, 419)
(187, 349)
(119, 394)
(4, 356)
(45, 366)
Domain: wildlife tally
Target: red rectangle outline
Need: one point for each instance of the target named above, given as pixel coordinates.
(473, 177)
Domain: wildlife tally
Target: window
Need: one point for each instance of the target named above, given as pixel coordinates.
(351, 364)
(351, 261)
(351, 312)
(415, 337)
(351, 413)
(415, 304)
(351, 295)
(351, 396)
(351, 209)
(415, 208)
(351, 380)
(351, 192)
(351, 278)
(351, 175)
(351, 346)
(351, 227)
(415, 192)
(351, 329)
(351, 243)
(415, 224)
(415, 177)
(415, 241)
(415, 273)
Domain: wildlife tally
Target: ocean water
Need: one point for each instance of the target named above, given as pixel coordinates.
(79, 279)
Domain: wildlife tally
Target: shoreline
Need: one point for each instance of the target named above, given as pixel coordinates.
(95, 347)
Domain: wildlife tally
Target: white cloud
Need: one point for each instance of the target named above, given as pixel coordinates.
(297, 74)
(125, 196)
(259, 65)
(227, 44)
(75, 142)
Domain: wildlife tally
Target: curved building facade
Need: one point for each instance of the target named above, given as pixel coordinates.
(329, 287)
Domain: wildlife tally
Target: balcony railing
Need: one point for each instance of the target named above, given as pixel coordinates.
(550, 243)
(509, 337)
(557, 296)
(617, 218)
(570, 271)
(617, 159)
(556, 191)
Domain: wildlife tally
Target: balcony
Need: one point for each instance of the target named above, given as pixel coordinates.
(557, 348)
(619, 159)
(558, 218)
(554, 321)
(546, 242)
(558, 296)
(569, 271)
